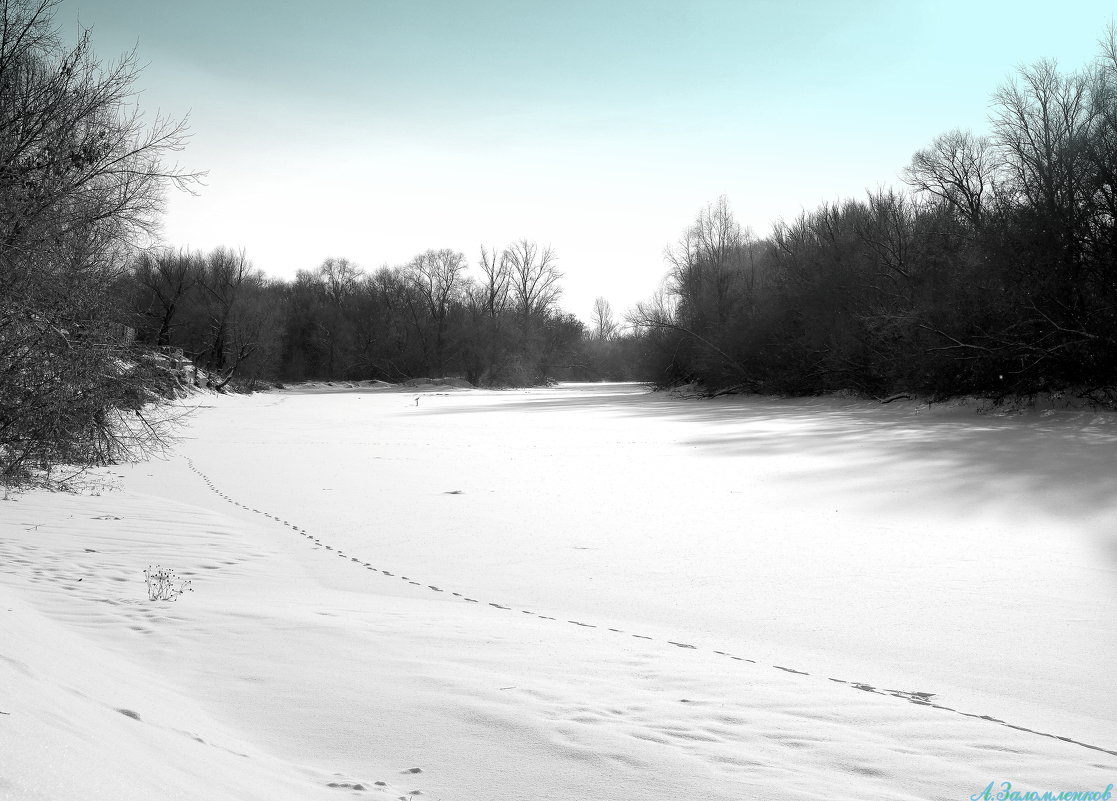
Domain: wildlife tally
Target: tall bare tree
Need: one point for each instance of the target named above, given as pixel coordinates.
(603, 326)
(496, 284)
(436, 277)
(221, 340)
(960, 169)
(82, 176)
(166, 279)
(534, 278)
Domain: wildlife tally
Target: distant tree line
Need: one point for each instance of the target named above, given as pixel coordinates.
(428, 318)
(995, 274)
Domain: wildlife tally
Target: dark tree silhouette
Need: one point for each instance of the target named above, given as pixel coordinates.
(81, 182)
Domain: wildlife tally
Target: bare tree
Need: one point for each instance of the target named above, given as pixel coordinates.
(220, 344)
(166, 279)
(340, 278)
(81, 182)
(494, 296)
(1102, 152)
(338, 282)
(658, 319)
(534, 277)
(711, 268)
(959, 168)
(1041, 122)
(603, 326)
(496, 286)
(436, 277)
(887, 226)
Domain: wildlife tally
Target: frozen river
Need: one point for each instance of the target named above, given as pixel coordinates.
(931, 550)
(596, 591)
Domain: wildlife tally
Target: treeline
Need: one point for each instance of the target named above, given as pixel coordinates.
(428, 318)
(994, 274)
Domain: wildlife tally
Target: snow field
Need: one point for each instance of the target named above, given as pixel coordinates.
(604, 514)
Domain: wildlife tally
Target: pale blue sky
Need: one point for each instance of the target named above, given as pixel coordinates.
(375, 129)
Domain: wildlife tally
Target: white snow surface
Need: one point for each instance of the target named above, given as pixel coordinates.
(582, 592)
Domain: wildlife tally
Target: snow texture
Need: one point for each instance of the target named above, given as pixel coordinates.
(589, 591)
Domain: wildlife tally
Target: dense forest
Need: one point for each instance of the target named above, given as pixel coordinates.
(427, 318)
(992, 272)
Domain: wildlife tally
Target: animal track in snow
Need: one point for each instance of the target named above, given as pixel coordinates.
(914, 697)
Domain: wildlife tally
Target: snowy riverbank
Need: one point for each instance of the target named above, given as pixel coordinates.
(579, 592)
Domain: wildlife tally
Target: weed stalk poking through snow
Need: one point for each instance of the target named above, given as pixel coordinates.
(164, 585)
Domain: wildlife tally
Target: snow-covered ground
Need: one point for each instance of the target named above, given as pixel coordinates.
(587, 592)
